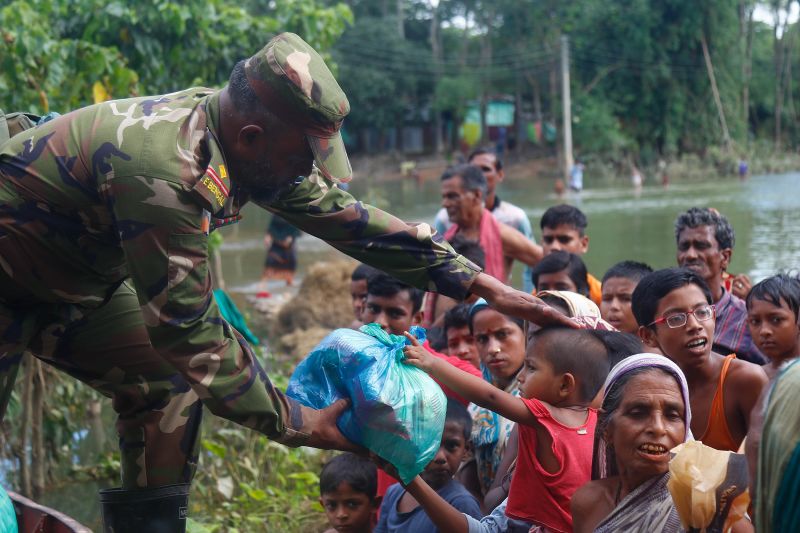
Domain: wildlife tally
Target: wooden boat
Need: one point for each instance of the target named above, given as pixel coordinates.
(36, 518)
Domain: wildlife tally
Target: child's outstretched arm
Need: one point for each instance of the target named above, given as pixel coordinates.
(448, 518)
(468, 386)
(442, 514)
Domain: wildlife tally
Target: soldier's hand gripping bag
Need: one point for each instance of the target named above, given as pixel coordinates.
(397, 410)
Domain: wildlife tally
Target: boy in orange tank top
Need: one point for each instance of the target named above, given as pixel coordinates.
(674, 312)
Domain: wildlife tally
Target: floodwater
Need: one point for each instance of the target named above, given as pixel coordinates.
(623, 223)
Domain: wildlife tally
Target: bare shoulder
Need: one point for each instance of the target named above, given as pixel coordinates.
(589, 495)
(591, 503)
(746, 374)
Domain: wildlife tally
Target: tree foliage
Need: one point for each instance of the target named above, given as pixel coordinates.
(640, 82)
(54, 52)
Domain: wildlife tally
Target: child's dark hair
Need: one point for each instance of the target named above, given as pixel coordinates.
(358, 472)
(654, 286)
(363, 271)
(469, 248)
(632, 270)
(456, 412)
(579, 352)
(436, 338)
(619, 344)
(382, 284)
(777, 288)
(564, 214)
(481, 305)
(456, 317)
(558, 261)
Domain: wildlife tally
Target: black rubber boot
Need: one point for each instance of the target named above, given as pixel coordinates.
(159, 510)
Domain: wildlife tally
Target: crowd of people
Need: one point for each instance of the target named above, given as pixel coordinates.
(565, 398)
(559, 429)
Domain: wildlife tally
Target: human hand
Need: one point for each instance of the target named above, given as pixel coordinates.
(417, 355)
(325, 434)
(510, 301)
(741, 286)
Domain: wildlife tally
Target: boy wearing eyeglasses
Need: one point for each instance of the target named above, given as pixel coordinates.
(674, 311)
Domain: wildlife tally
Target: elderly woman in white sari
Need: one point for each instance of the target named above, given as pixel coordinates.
(645, 414)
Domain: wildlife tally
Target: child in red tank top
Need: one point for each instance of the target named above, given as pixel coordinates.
(563, 372)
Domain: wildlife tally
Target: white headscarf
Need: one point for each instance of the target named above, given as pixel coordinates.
(634, 362)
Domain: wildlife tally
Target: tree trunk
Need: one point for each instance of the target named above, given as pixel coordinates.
(400, 18)
(537, 97)
(38, 457)
(779, 32)
(486, 65)
(464, 40)
(787, 78)
(436, 52)
(746, 31)
(555, 114)
(22, 450)
(717, 100)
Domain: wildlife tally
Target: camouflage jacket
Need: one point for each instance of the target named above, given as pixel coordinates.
(131, 188)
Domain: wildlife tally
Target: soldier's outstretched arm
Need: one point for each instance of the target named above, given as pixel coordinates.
(166, 250)
(411, 252)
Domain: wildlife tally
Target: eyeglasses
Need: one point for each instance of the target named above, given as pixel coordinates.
(678, 320)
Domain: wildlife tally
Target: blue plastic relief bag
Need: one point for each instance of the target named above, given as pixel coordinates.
(397, 410)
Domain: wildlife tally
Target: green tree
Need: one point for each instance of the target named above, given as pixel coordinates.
(53, 52)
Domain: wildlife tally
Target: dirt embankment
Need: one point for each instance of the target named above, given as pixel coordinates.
(322, 303)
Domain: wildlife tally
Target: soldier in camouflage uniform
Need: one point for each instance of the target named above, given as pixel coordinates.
(104, 220)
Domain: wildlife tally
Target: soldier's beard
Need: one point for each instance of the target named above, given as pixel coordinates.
(260, 182)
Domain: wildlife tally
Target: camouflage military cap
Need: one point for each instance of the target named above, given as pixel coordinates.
(296, 85)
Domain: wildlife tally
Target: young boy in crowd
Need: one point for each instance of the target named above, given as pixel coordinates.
(674, 312)
(358, 291)
(619, 283)
(401, 513)
(773, 314)
(564, 369)
(564, 229)
(561, 271)
(460, 342)
(395, 307)
(347, 486)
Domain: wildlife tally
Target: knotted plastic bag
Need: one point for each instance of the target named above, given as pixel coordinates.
(397, 410)
(709, 487)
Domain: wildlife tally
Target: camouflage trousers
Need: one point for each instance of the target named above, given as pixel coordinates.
(158, 418)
